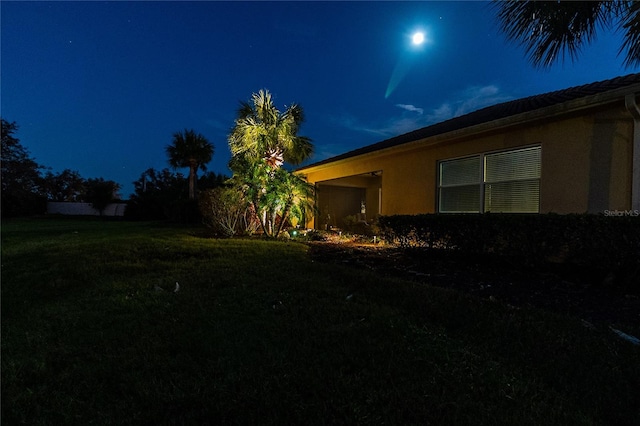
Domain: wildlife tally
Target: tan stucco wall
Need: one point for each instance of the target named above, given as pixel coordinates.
(586, 163)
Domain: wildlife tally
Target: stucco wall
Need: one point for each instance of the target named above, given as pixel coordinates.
(586, 163)
(84, 209)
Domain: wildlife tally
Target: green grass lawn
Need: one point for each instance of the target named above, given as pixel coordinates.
(260, 334)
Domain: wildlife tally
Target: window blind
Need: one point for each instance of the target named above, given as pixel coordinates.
(512, 165)
(512, 181)
(460, 185)
(507, 181)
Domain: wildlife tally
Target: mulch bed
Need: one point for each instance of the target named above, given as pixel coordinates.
(560, 291)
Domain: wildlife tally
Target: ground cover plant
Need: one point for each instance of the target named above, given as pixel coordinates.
(94, 332)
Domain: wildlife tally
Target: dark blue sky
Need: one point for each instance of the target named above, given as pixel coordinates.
(100, 87)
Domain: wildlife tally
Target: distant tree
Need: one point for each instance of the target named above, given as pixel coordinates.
(548, 29)
(156, 194)
(153, 181)
(100, 193)
(20, 176)
(67, 185)
(261, 141)
(192, 150)
(211, 180)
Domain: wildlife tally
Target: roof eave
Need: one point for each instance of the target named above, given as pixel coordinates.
(571, 106)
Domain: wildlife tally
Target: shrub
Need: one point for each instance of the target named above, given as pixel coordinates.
(353, 225)
(224, 210)
(600, 246)
(221, 210)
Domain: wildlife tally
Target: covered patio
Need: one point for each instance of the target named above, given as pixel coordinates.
(358, 195)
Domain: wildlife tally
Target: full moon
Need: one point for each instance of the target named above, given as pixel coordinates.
(418, 38)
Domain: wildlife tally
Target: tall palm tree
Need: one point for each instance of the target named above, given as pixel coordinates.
(191, 150)
(262, 132)
(261, 141)
(550, 29)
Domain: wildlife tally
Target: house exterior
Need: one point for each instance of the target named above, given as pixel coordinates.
(575, 150)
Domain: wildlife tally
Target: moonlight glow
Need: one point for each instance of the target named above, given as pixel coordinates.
(404, 63)
(418, 38)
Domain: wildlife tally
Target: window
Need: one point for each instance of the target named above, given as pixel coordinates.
(460, 185)
(507, 181)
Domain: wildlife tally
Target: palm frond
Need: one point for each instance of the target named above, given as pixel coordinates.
(631, 37)
(189, 146)
(301, 149)
(245, 110)
(262, 131)
(551, 30)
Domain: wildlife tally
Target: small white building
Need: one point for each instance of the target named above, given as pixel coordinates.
(84, 209)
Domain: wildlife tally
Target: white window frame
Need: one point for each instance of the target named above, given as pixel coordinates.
(482, 181)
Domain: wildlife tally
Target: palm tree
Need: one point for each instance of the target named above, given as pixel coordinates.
(275, 195)
(190, 150)
(261, 131)
(261, 141)
(550, 29)
(296, 197)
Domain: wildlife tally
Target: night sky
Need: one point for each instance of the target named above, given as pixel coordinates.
(100, 87)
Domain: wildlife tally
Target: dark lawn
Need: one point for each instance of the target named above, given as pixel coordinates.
(92, 333)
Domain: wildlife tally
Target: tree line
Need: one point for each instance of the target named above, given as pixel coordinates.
(27, 185)
(263, 195)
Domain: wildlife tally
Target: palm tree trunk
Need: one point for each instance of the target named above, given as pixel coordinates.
(272, 224)
(283, 219)
(192, 181)
(261, 217)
